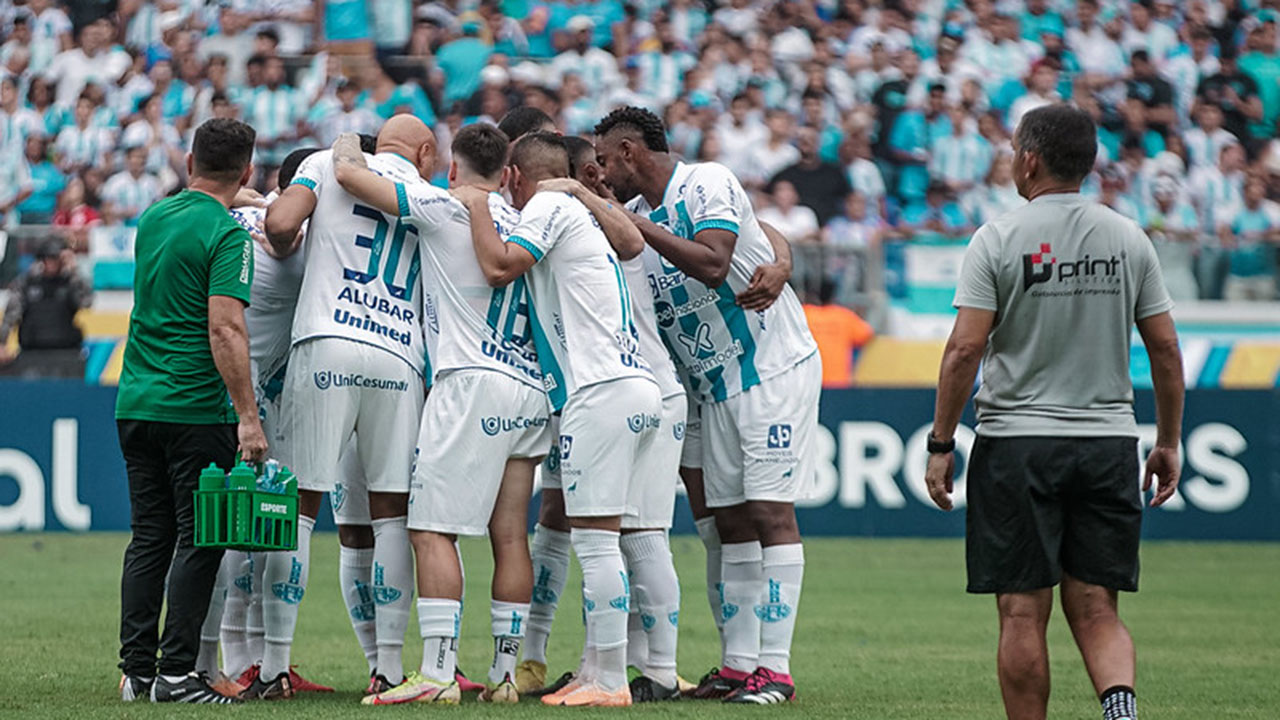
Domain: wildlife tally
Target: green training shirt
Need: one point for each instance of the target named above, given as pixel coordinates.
(188, 249)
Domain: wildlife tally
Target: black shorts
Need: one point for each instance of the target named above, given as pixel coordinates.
(1039, 506)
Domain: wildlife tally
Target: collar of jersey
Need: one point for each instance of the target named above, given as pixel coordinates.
(670, 181)
(397, 157)
(1059, 197)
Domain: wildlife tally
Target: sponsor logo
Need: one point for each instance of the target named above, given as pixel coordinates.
(1042, 267)
(369, 325)
(643, 421)
(720, 358)
(779, 437)
(494, 425)
(512, 355)
(698, 344)
(377, 303)
(290, 592)
(516, 621)
(430, 313)
(383, 594)
(553, 459)
(566, 446)
(365, 610)
(648, 621)
(775, 610)
(273, 508)
(677, 430)
(246, 261)
(325, 379)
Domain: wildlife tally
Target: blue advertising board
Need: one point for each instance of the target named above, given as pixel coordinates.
(60, 464)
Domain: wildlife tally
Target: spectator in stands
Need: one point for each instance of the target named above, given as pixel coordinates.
(47, 181)
(1236, 93)
(1153, 92)
(961, 159)
(1251, 238)
(165, 152)
(17, 123)
(346, 117)
(839, 332)
(15, 184)
(768, 158)
(864, 175)
(1155, 39)
(1262, 63)
(1174, 230)
(597, 68)
(75, 217)
(1218, 190)
(822, 186)
(130, 191)
(796, 222)
(1204, 142)
(50, 33)
(346, 27)
(385, 97)
(909, 152)
(997, 194)
(82, 144)
(939, 213)
(42, 306)
(94, 61)
(274, 110)
(460, 62)
(1042, 89)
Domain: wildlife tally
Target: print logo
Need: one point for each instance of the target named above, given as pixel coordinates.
(1037, 267)
(677, 430)
(491, 425)
(779, 437)
(1041, 267)
(699, 343)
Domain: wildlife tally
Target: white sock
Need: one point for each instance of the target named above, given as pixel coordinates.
(607, 600)
(207, 657)
(233, 632)
(508, 621)
(783, 574)
(355, 575)
(438, 621)
(656, 590)
(284, 584)
(715, 588)
(550, 555)
(392, 592)
(637, 640)
(743, 578)
(255, 627)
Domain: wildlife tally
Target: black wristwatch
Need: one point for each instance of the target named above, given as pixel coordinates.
(937, 447)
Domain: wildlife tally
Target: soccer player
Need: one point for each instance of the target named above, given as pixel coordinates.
(654, 620)
(758, 377)
(485, 426)
(356, 365)
(581, 323)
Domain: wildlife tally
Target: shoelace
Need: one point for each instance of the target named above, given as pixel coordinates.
(757, 680)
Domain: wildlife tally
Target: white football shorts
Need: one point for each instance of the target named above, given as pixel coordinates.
(335, 387)
(657, 472)
(760, 444)
(473, 422)
(604, 429)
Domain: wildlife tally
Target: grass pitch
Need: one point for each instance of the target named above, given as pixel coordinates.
(885, 631)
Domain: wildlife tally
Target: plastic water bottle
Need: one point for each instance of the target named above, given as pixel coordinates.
(243, 477)
(212, 478)
(288, 482)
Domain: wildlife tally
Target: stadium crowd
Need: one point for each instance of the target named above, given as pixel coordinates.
(855, 123)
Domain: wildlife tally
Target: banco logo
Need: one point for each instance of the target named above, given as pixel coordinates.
(642, 421)
(1041, 267)
(494, 425)
(779, 437)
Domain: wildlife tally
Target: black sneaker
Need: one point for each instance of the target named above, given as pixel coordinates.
(379, 684)
(280, 688)
(135, 688)
(765, 687)
(553, 687)
(193, 689)
(644, 689)
(714, 686)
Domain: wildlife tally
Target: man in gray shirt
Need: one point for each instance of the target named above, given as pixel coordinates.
(1047, 299)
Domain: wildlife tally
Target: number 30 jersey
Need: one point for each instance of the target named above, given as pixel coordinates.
(362, 267)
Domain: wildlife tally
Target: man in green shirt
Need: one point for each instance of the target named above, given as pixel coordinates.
(185, 401)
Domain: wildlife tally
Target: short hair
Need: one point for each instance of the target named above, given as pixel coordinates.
(1063, 136)
(222, 149)
(483, 147)
(218, 97)
(541, 155)
(523, 120)
(256, 59)
(650, 126)
(578, 148)
(270, 34)
(289, 167)
(368, 143)
(1142, 55)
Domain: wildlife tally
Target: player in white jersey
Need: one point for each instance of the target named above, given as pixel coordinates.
(654, 618)
(356, 366)
(594, 375)
(485, 426)
(757, 374)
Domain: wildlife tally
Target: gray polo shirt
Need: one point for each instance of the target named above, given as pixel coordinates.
(1067, 277)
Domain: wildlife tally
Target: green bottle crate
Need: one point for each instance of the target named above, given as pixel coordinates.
(242, 517)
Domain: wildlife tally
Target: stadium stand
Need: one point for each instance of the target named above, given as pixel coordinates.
(874, 132)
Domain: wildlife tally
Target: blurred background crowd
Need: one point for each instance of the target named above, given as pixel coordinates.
(862, 126)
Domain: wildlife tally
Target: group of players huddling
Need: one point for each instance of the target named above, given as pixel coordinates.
(631, 346)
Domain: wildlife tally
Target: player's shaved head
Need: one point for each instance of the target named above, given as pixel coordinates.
(410, 138)
(541, 155)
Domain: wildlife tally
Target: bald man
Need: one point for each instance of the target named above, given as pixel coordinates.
(356, 366)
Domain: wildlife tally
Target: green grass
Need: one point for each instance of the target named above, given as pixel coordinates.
(885, 631)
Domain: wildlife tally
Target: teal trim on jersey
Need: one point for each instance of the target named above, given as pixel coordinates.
(518, 307)
(496, 302)
(623, 293)
(659, 215)
(533, 249)
(551, 371)
(402, 200)
(690, 323)
(740, 331)
(307, 183)
(729, 225)
(275, 385)
(428, 376)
